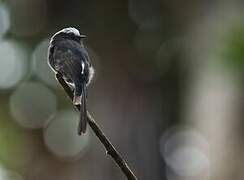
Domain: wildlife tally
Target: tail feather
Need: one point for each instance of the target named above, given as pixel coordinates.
(83, 112)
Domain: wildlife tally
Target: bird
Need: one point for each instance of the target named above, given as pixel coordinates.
(68, 56)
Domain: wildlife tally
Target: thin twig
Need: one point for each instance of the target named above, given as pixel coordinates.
(101, 136)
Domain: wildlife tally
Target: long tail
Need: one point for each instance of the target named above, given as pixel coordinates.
(83, 112)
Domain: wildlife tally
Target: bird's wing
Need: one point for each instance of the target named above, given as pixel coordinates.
(67, 59)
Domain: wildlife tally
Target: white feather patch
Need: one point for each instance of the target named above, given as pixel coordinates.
(69, 30)
(82, 67)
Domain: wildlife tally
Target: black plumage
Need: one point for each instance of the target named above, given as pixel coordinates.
(68, 56)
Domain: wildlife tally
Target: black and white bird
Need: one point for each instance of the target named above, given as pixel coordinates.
(68, 56)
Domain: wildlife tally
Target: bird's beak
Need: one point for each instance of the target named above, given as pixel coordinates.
(82, 36)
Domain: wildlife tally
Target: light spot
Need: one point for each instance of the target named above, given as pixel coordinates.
(32, 105)
(13, 64)
(61, 136)
(185, 152)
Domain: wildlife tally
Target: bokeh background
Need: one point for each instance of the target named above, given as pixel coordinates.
(168, 90)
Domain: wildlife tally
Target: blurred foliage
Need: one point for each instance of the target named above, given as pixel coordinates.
(13, 141)
(233, 49)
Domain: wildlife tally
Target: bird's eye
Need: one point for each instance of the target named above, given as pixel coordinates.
(78, 38)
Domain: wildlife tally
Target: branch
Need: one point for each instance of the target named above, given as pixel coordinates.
(101, 136)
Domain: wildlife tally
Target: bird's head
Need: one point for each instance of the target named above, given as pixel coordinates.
(68, 33)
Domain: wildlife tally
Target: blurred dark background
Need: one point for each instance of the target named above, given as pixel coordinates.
(168, 90)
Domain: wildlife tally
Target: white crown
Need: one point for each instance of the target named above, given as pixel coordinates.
(69, 30)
